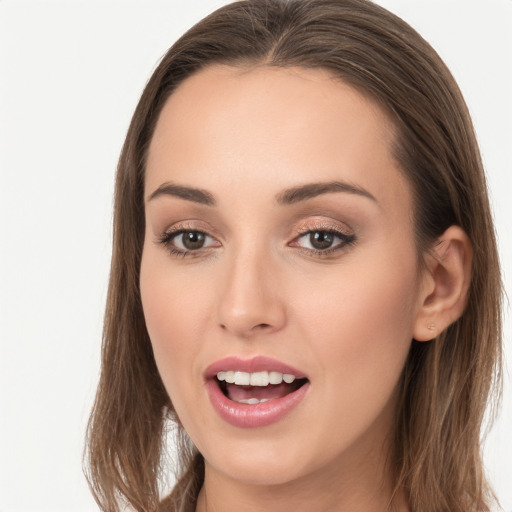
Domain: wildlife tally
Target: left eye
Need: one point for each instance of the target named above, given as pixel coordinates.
(322, 240)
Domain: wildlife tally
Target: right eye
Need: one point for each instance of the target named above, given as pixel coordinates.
(186, 241)
(190, 240)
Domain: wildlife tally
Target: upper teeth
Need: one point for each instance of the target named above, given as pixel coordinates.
(256, 378)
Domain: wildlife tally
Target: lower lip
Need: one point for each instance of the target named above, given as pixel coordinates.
(257, 415)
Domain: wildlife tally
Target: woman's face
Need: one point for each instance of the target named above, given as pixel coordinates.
(279, 241)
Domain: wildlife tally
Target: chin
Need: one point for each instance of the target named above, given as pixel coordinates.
(267, 472)
(264, 459)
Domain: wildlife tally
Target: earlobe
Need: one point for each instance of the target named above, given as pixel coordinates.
(445, 284)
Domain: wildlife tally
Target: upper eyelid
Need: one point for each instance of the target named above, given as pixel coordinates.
(179, 227)
(329, 228)
(323, 225)
(299, 228)
(173, 233)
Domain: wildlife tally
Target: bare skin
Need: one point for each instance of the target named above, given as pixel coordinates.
(343, 311)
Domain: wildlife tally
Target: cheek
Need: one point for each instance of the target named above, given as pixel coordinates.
(172, 309)
(361, 328)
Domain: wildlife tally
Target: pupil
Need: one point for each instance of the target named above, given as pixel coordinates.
(193, 240)
(321, 239)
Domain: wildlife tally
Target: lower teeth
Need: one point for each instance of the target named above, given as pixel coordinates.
(252, 401)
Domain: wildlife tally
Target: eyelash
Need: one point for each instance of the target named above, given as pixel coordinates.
(167, 238)
(346, 240)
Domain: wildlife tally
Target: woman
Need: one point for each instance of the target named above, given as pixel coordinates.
(304, 277)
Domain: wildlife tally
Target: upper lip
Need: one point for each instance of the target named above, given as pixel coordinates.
(251, 365)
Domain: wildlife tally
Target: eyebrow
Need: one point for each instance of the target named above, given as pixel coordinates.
(286, 197)
(311, 190)
(196, 195)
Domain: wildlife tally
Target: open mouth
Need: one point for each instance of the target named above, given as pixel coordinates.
(258, 387)
(255, 392)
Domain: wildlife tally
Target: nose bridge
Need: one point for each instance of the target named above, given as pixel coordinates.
(249, 301)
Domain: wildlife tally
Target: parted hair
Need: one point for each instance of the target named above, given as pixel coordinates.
(447, 384)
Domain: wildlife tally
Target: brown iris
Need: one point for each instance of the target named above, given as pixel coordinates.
(321, 239)
(193, 240)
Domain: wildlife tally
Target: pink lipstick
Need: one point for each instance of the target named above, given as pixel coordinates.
(254, 392)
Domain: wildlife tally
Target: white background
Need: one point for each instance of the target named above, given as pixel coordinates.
(71, 73)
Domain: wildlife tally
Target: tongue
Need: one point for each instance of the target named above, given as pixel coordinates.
(269, 392)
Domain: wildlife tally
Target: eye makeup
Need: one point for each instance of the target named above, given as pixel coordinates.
(314, 238)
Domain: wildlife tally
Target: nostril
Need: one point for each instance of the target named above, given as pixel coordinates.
(258, 327)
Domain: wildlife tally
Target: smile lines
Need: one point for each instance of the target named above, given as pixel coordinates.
(255, 379)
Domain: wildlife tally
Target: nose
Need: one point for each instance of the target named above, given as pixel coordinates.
(251, 299)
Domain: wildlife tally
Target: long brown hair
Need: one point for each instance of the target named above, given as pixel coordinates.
(447, 383)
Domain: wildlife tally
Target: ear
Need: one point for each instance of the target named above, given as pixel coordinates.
(445, 284)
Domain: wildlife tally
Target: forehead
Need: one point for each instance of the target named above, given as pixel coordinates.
(271, 128)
